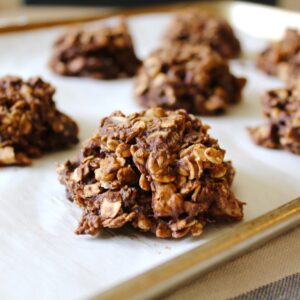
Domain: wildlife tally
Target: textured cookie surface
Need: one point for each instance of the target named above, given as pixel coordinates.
(30, 124)
(200, 28)
(101, 53)
(191, 77)
(282, 58)
(281, 108)
(158, 170)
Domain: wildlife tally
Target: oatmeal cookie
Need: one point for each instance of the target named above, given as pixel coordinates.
(30, 123)
(282, 58)
(191, 77)
(157, 170)
(200, 28)
(101, 53)
(281, 107)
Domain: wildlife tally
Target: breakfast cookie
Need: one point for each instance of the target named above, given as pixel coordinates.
(157, 170)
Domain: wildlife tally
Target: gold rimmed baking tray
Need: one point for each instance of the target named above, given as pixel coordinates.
(263, 22)
(254, 20)
(242, 238)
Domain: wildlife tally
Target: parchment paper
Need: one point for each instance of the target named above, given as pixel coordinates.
(40, 256)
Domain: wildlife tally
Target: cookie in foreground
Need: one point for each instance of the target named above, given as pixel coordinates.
(281, 108)
(105, 52)
(157, 170)
(201, 28)
(282, 58)
(194, 78)
(30, 123)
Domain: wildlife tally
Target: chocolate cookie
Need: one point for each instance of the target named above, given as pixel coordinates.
(101, 53)
(157, 170)
(30, 124)
(200, 28)
(282, 58)
(281, 107)
(194, 78)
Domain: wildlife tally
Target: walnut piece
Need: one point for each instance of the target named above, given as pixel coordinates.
(101, 53)
(169, 176)
(194, 78)
(281, 107)
(201, 28)
(30, 124)
(282, 58)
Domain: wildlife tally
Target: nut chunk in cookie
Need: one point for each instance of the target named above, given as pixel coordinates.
(157, 170)
(282, 58)
(101, 53)
(194, 78)
(200, 28)
(30, 123)
(281, 107)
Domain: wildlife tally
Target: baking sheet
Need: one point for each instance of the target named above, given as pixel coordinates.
(40, 257)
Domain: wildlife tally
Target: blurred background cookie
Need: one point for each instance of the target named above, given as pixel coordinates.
(105, 52)
(193, 77)
(30, 123)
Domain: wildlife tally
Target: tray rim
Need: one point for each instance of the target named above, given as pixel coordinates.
(223, 248)
(217, 7)
(240, 239)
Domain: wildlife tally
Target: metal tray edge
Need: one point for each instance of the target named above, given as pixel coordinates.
(239, 240)
(226, 8)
